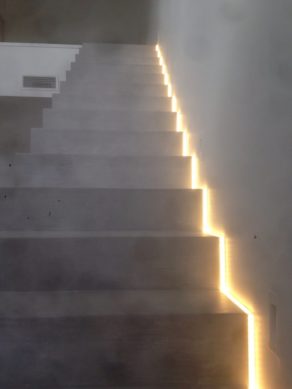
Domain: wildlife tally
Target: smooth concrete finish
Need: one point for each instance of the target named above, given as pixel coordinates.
(107, 143)
(123, 78)
(90, 171)
(106, 53)
(139, 103)
(113, 89)
(110, 344)
(109, 120)
(108, 262)
(107, 277)
(135, 303)
(79, 69)
(100, 209)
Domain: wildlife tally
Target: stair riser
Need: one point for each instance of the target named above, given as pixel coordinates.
(109, 263)
(91, 68)
(107, 143)
(109, 121)
(125, 351)
(78, 171)
(113, 103)
(114, 89)
(100, 210)
(117, 54)
(116, 60)
(120, 79)
(89, 49)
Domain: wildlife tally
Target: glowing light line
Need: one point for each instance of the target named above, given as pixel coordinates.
(208, 228)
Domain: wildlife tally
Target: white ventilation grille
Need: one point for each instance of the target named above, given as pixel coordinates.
(39, 82)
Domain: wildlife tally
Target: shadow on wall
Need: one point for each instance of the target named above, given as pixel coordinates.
(18, 116)
(78, 21)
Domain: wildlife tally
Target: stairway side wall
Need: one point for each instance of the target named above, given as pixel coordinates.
(231, 65)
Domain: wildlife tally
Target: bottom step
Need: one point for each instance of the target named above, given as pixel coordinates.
(121, 339)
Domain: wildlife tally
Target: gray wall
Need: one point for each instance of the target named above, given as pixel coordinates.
(77, 21)
(18, 115)
(232, 64)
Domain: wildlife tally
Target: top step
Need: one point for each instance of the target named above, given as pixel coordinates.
(123, 49)
(108, 53)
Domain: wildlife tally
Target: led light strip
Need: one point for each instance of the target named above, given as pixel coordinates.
(207, 225)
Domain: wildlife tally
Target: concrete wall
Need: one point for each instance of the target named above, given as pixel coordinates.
(231, 62)
(18, 115)
(77, 21)
(18, 60)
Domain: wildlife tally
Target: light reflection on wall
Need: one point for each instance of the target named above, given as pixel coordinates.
(210, 229)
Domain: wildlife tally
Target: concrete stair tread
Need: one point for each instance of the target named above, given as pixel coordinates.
(69, 111)
(115, 89)
(68, 156)
(114, 58)
(108, 261)
(143, 104)
(132, 47)
(106, 142)
(115, 120)
(67, 131)
(114, 303)
(99, 234)
(86, 68)
(162, 386)
(108, 99)
(179, 386)
(123, 81)
(99, 209)
(87, 171)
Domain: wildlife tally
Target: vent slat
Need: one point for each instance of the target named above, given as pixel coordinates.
(39, 82)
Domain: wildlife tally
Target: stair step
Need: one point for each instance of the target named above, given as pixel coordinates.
(122, 339)
(89, 48)
(82, 73)
(90, 171)
(117, 59)
(109, 262)
(141, 103)
(114, 89)
(135, 303)
(91, 68)
(107, 143)
(109, 120)
(101, 81)
(51, 209)
(117, 54)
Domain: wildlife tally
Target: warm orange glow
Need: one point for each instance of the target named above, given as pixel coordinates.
(210, 229)
(174, 106)
(195, 172)
(185, 144)
(179, 122)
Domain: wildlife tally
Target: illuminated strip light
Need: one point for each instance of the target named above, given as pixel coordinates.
(208, 229)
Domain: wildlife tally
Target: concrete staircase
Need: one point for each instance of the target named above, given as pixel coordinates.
(106, 278)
